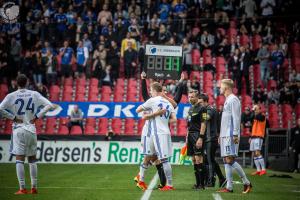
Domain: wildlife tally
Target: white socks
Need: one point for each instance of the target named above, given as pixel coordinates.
(168, 172)
(20, 173)
(240, 172)
(143, 168)
(257, 164)
(261, 162)
(228, 173)
(33, 174)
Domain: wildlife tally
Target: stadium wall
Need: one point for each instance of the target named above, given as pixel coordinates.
(87, 152)
(108, 110)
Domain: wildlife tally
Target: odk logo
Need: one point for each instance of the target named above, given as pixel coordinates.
(153, 50)
(9, 12)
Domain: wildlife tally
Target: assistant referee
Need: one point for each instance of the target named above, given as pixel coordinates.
(211, 142)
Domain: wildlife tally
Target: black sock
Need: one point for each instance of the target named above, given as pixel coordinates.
(219, 172)
(196, 174)
(161, 174)
(201, 173)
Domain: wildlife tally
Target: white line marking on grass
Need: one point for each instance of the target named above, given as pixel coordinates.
(152, 184)
(78, 188)
(298, 191)
(217, 196)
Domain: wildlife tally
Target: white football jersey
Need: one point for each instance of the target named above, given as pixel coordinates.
(146, 131)
(231, 117)
(24, 104)
(160, 124)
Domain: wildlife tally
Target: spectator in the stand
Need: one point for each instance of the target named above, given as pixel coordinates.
(207, 40)
(134, 29)
(100, 56)
(130, 61)
(263, 56)
(76, 119)
(106, 77)
(80, 28)
(4, 68)
(134, 8)
(104, 16)
(246, 119)
(277, 58)
(42, 89)
(233, 45)
(82, 56)
(164, 10)
(233, 65)
(294, 76)
(87, 42)
(259, 95)
(120, 12)
(38, 69)
(66, 54)
(125, 43)
(273, 96)
(295, 145)
(286, 95)
(243, 70)
(164, 34)
(268, 32)
(223, 48)
(27, 64)
(13, 86)
(187, 56)
(61, 24)
(256, 26)
(180, 13)
(113, 59)
(250, 8)
(283, 46)
(267, 7)
(15, 55)
(50, 63)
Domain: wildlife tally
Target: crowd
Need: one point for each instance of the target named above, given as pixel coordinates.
(55, 39)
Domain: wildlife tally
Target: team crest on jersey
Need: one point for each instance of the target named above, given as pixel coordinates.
(205, 116)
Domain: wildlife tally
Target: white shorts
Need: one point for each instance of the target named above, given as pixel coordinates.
(228, 147)
(23, 142)
(146, 148)
(256, 144)
(161, 145)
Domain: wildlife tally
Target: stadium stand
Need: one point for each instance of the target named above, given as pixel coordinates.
(37, 53)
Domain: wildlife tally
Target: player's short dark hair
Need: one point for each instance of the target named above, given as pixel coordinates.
(204, 97)
(22, 80)
(156, 86)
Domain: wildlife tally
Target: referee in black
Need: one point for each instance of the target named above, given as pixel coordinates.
(211, 143)
(177, 98)
(196, 136)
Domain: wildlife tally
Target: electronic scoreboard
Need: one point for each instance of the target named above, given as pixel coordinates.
(163, 62)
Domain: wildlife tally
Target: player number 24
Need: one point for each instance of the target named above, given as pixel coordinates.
(29, 106)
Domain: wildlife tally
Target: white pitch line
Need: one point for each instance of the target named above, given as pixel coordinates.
(78, 188)
(216, 196)
(152, 184)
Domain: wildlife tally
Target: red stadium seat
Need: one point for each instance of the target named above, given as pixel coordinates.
(106, 90)
(232, 32)
(271, 84)
(196, 57)
(80, 90)
(195, 75)
(103, 126)
(207, 76)
(80, 82)
(206, 53)
(94, 82)
(91, 122)
(116, 125)
(4, 88)
(184, 99)
(67, 97)
(93, 90)
(244, 39)
(89, 130)
(80, 97)
(76, 130)
(181, 131)
(93, 98)
(63, 130)
(105, 97)
(68, 82)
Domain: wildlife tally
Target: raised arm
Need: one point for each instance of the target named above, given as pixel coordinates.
(145, 93)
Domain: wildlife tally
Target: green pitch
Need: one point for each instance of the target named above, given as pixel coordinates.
(89, 182)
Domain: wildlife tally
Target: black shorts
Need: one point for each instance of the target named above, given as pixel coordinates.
(80, 68)
(191, 145)
(66, 70)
